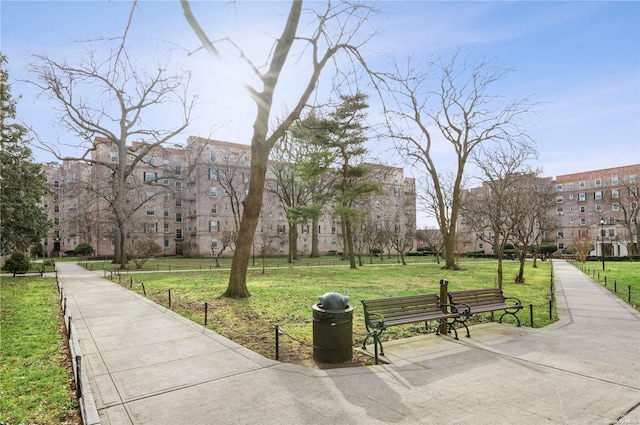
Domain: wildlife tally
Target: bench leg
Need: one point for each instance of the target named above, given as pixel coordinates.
(511, 313)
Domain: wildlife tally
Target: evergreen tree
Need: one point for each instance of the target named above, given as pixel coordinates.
(22, 182)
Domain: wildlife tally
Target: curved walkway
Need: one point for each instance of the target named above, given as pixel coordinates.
(145, 364)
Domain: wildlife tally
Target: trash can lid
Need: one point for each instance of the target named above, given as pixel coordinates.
(333, 301)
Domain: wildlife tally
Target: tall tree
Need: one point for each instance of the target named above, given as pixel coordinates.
(22, 182)
(461, 111)
(109, 99)
(334, 31)
(345, 136)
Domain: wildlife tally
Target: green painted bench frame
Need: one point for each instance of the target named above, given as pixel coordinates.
(381, 313)
(477, 301)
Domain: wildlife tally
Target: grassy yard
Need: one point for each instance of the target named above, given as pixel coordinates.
(283, 296)
(36, 381)
(621, 277)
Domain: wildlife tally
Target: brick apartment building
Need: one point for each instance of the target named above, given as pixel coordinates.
(190, 199)
(600, 206)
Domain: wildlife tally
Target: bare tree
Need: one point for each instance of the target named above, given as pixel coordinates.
(432, 238)
(628, 199)
(143, 250)
(581, 247)
(335, 30)
(400, 233)
(110, 99)
(461, 111)
(532, 200)
(494, 210)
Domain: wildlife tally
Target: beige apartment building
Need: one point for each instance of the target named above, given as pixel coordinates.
(598, 206)
(188, 199)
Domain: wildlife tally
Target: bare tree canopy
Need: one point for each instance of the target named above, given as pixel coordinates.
(334, 30)
(452, 107)
(108, 98)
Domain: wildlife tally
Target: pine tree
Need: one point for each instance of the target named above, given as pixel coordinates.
(22, 182)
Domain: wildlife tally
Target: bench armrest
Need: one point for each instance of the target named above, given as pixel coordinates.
(452, 307)
(466, 311)
(378, 326)
(516, 300)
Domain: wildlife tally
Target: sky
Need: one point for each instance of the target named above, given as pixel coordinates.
(578, 61)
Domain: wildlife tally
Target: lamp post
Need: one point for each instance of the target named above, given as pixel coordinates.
(602, 221)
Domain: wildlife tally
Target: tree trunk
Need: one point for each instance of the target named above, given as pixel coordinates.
(293, 242)
(352, 257)
(251, 214)
(500, 271)
(314, 237)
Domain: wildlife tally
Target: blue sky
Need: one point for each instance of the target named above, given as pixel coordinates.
(579, 60)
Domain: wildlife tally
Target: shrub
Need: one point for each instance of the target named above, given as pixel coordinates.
(84, 249)
(17, 263)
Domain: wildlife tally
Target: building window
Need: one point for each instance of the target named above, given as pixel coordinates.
(559, 211)
(214, 226)
(612, 233)
(559, 199)
(561, 246)
(598, 182)
(560, 235)
(615, 193)
(597, 195)
(178, 185)
(166, 244)
(614, 180)
(583, 209)
(212, 157)
(581, 185)
(178, 170)
(582, 196)
(148, 177)
(178, 233)
(598, 207)
(632, 178)
(615, 207)
(167, 229)
(56, 208)
(151, 211)
(214, 209)
(178, 217)
(165, 196)
(165, 182)
(56, 221)
(559, 188)
(213, 174)
(56, 184)
(213, 192)
(165, 212)
(178, 202)
(583, 221)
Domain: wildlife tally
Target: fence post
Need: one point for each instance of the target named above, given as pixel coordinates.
(144, 291)
(206, 313)
(78, 377)
(629, 297)
(551, 309)
(531, 314)
(169, 298)
(605, 281)
(615, 286)
(131, 283)
(277, 343)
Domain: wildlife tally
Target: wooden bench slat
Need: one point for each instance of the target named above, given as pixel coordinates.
(380, 313)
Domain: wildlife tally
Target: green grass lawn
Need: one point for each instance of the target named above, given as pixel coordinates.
(284, 295)
(622, 277)
(35, 380)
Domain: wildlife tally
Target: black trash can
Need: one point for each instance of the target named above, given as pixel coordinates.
(332, 329)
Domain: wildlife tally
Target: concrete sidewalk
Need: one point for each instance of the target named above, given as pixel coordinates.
(147, 365)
